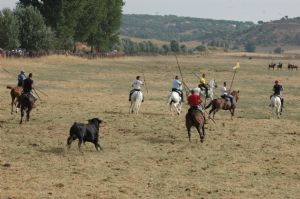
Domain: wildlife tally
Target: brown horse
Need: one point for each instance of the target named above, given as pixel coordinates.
(26, 101)
(224, 104)
(195, 118)
(15, 93)
(272, 65)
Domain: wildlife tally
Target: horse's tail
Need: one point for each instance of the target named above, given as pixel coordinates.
(170, 100)
(210, 103)
(9, 87)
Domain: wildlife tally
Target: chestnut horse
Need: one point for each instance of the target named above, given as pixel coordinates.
(195, 118)
(15, 93)
(224, 104)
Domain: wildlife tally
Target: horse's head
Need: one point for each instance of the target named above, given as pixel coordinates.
(213, 83)
(235, 94)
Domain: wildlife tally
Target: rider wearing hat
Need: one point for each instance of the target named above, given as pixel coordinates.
(21, 78)
(277, 88)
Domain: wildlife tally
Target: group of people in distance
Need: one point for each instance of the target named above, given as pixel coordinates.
(194, 99)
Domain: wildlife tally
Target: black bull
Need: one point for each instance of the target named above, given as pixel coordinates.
(85, 133)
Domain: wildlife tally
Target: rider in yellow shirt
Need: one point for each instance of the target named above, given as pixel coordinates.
(203, 84)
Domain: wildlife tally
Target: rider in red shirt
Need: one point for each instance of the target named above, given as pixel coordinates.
(194, 100)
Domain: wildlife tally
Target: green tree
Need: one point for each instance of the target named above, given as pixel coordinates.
(201, 48)
(34, 35)
(183, 48)
(250, 47)
(166, 48)
(278, 50)
(174, 45)
(9, 30)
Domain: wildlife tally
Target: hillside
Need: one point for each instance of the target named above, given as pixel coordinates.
(182, 28)
(280, 32)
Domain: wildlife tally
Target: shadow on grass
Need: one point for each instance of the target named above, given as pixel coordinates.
(53, 150)
(157, 140)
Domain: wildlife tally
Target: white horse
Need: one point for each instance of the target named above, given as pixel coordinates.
(211, 86)
(175, 99)
(136, 101)
(276, 105)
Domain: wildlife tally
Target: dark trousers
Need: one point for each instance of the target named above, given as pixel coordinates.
(228, 97)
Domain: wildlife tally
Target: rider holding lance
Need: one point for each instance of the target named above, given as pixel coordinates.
(137, 86)
(203, 84)
(177, 87)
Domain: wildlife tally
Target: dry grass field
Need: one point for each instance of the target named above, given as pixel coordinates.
(148, 155)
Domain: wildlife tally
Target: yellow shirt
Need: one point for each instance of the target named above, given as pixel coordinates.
(202, 80)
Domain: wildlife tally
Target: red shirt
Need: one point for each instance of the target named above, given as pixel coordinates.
(194, 100)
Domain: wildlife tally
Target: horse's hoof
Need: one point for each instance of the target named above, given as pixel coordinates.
(202, 140)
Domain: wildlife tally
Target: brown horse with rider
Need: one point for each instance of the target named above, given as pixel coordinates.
(224, 104)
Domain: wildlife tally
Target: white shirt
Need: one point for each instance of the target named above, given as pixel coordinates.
(176, 84)
(224, 91)
(136, 84)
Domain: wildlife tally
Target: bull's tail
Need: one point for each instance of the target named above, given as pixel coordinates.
(210, 103)
(9, 87)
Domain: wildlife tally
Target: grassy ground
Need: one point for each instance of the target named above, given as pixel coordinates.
(148, 156)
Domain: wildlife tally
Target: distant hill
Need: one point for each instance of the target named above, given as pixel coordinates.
(171, 27)
(281, 32)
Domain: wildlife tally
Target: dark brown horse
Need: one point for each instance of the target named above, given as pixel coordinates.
(26, 101)
(195, 118)
(279, 66)
(224, 104)
(272, 66)
(15, 93)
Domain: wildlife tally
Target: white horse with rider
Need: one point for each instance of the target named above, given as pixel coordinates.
(136, 96)
(211, 86)
(175, 97)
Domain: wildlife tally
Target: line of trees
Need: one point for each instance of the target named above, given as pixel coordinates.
(145, 47)
(60, 24)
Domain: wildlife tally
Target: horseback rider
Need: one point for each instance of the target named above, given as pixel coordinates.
(177, 87)
(21, 78)
(203, 84)
(27, 88)
(277, 88)
(137, 86)
(224, 94)
(194, 101)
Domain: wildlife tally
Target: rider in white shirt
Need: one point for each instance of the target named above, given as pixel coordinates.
(177, 87)
(137, 86)
(224, 94)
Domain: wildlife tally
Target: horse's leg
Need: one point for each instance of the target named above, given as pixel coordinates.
(22, 114)
(12, 104)
(28, 113)
(188, 127)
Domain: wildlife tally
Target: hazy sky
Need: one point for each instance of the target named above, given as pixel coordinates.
(242, 10)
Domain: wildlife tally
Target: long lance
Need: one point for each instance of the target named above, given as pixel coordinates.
(186, 88)
(145, 81)
(41, 92)
(36, 93)
(232, 79)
